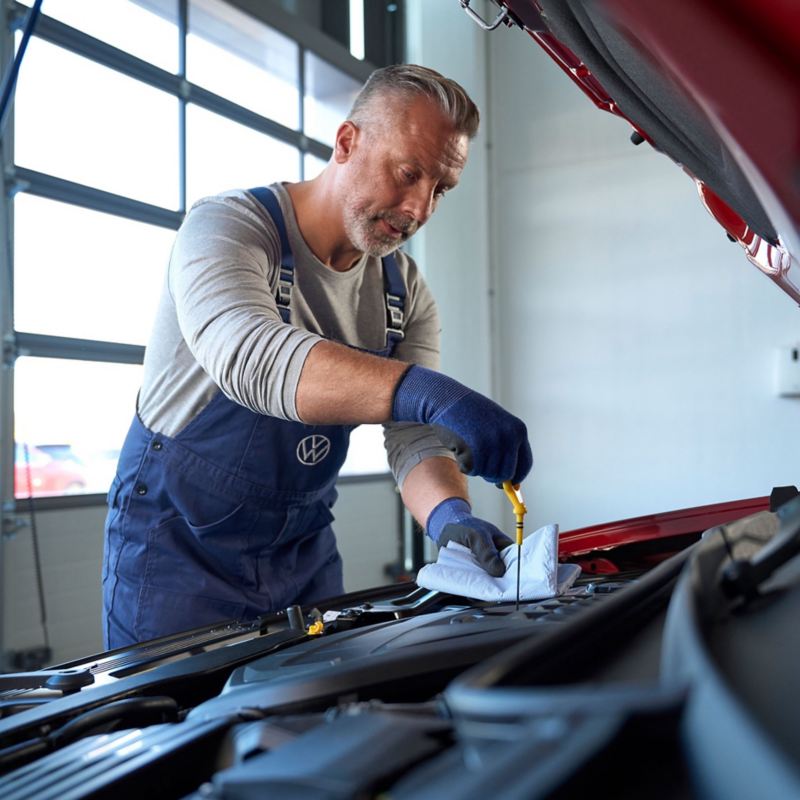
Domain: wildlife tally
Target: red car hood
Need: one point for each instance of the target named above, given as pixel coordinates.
(713, 84)
(612, 547)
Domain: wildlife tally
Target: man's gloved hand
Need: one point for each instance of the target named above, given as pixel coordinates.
(452, 521)
(487, 440)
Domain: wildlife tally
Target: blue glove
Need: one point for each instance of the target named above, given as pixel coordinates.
(452, 521)
(487, 440)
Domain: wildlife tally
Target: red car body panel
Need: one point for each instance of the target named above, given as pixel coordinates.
(738, 81)
(656, 526)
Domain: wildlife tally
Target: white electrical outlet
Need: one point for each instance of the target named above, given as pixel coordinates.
(787, 371)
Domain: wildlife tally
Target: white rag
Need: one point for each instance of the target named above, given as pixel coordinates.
(457, 572)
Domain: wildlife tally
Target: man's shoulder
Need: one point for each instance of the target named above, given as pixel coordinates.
(232, 199)
(233, 221)
(234, 207)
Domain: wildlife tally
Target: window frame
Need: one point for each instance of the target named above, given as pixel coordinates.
(18, 179)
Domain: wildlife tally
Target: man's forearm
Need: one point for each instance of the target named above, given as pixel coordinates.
(342, 386)
(430, 482)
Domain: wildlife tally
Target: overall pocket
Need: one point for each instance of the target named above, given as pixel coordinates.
(201, 557)
(296, 554)
(113, 537)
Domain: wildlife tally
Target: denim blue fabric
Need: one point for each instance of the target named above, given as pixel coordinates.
(229, 519)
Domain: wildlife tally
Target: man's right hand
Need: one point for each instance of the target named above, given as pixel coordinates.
(487, 440)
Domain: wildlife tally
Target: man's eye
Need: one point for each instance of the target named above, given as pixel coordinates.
(408, 176)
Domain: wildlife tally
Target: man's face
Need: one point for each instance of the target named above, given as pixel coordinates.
(398, 172)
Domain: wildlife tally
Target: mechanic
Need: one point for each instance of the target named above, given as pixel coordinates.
(289, 316)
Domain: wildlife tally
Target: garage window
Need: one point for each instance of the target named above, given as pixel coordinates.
(249, 158)
(232, 55)
(72, 281)
(76, 413)
(126, 111)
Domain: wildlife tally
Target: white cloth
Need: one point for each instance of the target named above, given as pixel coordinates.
(457, 572)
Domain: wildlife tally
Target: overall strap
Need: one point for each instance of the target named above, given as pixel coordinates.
(395, 295)
(394, 288)
(286, 275)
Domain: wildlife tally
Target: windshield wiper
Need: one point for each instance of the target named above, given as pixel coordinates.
(743, 577)
(62, 680)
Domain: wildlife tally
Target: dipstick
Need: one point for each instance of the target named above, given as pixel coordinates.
(514, 495)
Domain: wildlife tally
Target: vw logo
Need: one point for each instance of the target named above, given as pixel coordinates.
(313, 449)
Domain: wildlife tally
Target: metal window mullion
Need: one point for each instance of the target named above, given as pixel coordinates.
(183, 32)
(182, 155)
(45, 346)
(233, 111)
(21, 179)
(6, 341)
(265, 11)
(301, 105)
(244, 116)
(318, 149)
(106, 55)
(236, 113)
(80, 43)
(313, 39)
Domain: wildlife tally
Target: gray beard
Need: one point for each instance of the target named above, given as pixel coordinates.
(365, 236)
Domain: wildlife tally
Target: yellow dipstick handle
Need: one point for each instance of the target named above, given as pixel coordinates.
(316, 628)
(513, 494)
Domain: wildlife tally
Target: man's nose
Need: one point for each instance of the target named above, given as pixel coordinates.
(419, 203)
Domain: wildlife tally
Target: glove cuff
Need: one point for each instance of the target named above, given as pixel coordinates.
(451, 510)
(421, 392)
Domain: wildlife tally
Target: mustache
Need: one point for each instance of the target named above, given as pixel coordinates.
(405, 224)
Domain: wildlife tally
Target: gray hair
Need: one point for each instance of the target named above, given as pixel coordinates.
(410, 80)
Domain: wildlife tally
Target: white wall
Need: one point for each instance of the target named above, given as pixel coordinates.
(643, 339)
(367, 531)
(70, 551)
(632, 337)
(453, 248)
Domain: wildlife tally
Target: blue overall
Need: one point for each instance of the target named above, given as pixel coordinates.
(230, 518)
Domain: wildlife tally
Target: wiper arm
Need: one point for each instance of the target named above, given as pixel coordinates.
(743, 577)
(62, 680)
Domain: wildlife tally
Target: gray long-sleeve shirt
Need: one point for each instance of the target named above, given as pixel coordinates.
(218, 325)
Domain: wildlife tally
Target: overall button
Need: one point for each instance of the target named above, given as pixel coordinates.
(156, 445)
(141, 489)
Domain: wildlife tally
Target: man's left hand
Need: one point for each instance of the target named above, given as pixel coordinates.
(452, 521)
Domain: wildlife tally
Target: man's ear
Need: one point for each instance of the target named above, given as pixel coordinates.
(345, 142)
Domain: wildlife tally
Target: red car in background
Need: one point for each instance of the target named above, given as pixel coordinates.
(43, 472)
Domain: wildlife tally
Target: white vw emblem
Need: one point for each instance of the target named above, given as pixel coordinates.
(313, 449)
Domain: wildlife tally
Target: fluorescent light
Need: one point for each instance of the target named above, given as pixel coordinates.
(357, 28)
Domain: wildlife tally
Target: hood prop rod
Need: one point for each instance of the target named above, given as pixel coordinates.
(480, 21)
